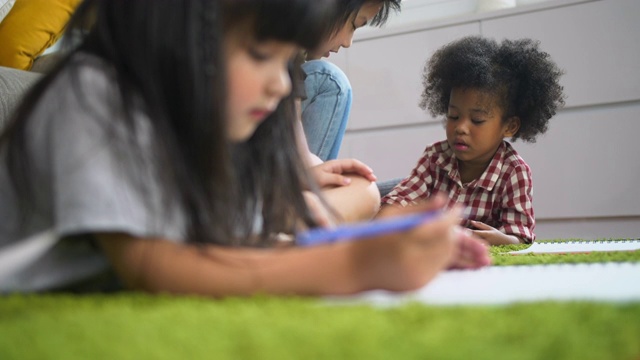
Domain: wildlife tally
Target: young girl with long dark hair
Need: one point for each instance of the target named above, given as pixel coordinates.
(161, 156)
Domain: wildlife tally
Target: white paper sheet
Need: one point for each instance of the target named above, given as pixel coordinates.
(610, 282)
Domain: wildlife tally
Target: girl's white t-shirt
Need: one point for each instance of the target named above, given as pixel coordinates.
(89, 174)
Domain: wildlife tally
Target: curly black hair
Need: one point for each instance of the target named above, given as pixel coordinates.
(523, 76)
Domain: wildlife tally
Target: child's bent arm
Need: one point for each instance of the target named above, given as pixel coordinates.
(494, 236)
(334, 172)
(397, 262)
(357, 202)
(158, 265)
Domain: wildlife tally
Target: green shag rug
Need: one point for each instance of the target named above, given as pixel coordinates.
(140, 326)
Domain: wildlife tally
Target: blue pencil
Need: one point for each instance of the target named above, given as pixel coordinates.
(319, 236)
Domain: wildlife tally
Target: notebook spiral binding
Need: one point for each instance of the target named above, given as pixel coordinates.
(623, 241)
(578, 246)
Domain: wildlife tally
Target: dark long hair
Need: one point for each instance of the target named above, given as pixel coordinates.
(345, 9)
(269, 165)
(168, 53)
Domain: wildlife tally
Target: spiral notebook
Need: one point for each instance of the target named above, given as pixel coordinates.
(583, 246)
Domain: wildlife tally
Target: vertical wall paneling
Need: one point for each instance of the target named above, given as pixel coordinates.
(597, 43)
(386, 75)
(377, 147)
(587, 165)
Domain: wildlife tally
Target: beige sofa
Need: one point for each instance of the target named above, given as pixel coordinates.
(14, 83)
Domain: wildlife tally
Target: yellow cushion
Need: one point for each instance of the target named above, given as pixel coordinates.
(30, 28)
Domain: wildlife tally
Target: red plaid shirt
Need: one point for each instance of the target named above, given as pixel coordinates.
(501, 197)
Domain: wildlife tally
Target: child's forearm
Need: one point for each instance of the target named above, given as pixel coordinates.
(397, 262)
(507, 239)
(157, 265)
(358, 201)
(494, 236)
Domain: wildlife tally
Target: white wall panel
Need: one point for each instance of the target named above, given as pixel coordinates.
(386, 75)
(596, 43)
(589, 229)
(392, 153)
(588, 163)
(340, 59)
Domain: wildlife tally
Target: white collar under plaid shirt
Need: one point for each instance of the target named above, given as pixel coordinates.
(501, 197)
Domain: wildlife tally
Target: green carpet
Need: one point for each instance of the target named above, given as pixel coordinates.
(139, 326)
(500, 256)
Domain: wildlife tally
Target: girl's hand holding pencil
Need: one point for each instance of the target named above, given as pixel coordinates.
(408, 247)
(363, 230)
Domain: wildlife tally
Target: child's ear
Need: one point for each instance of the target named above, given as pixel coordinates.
(512, 127)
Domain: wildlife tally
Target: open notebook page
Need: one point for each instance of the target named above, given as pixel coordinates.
(611, 282)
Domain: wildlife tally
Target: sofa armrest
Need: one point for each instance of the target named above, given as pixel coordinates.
(13, 84)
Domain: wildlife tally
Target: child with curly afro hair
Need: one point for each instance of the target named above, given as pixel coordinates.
(489, 91)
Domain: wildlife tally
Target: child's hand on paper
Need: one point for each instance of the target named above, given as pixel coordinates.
(332, 172)
(471, 252)
(408, 260)
(492, 235)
